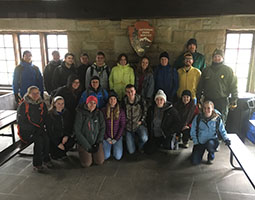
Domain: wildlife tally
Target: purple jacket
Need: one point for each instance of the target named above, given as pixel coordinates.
(118, 125)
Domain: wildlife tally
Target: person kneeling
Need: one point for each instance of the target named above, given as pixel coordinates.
(204, 133)
(89, 128)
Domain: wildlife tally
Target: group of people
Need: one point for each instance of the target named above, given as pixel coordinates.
(98, 108)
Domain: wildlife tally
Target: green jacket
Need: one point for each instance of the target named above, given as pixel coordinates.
(89, 127)
(218, 81)
(198, 58)
(121, 76)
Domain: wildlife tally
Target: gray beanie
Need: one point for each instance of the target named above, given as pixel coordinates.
(160, 93)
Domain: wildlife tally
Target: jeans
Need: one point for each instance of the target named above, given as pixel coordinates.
(199, 149)
(117, 149)
(141, 132)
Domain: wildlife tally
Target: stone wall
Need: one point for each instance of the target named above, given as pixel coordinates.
(112, 36)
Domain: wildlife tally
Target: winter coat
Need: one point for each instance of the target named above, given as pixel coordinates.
(101, 94)
(26, 75)
(115, 123)
(147, 88)
(48, 75)
(134, 112)
(61, 75)
(89, 127)
(218, 81)
(35, 118)
(188, 81)
(166, 78)
(121, 76)
(170, 122)
(207, 130)
(102, 72)
(81, 71)
(60, 125)
(198, 61)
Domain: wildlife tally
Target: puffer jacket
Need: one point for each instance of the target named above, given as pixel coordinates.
(121, 76)
(134, 112)
(89, 127)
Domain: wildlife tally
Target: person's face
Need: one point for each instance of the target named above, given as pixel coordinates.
(76, 84)
(56, 56)
(185, 99)
(69, 60)
(112, 101)
(100, 60)
(217, 58)
(145, 64)
(123, 61)
(34, 94)
(130, 92)
(27, 57)
(192, 48)
(164, 61)
(92, 106)
(95, 84)
(207, 109)
(160, 102)
(84, 60)
(59, 104)
(188, 61)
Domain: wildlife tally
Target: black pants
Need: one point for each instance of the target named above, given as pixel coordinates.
(41, 145)
(56, 152)
(185, 136)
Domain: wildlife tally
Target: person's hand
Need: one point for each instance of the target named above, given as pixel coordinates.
(139, 123)
(61, 146)
(114, 141)
(64, 140)
(227, 142)
(109, 140)
(232, 106)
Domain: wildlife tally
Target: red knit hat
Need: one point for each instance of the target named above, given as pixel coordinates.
(91, 98)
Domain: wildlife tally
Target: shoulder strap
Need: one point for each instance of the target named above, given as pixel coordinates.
(217, 127)
(91, 71)
(197, 127)
(20, 70)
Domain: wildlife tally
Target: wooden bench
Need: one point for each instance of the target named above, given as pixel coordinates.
(243, 156)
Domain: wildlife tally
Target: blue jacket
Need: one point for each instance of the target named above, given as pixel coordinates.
(166, 78)
(26, 75)
(207, 130)
(101, 94)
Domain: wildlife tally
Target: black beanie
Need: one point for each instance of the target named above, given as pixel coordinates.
(186, 92)
(112, 93)
(192, 41)
(164, 54)
(95, 78)
(71, 78)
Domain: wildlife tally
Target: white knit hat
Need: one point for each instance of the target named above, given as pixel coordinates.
(161, 94)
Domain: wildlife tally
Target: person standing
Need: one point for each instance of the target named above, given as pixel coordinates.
(49, 70)
(199, 59)
(26, 74)
(82, 69)
(217, 83)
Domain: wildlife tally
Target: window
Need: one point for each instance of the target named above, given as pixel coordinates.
(7, 59)
(238, 53)
(41, 45)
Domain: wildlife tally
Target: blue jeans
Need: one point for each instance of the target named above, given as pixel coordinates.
(117, 149)
(141, 132)
(199, 150)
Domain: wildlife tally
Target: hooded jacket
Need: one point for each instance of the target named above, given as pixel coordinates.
(170, 122)
(120, 77)
(48, 74)
(89, 127)
(102, 72)
(26, 75)
(61, 75)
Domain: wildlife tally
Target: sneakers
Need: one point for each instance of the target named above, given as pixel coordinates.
(210, 157)
(185, 145)
(39, 169)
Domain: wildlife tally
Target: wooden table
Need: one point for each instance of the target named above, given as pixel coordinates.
(8, 118)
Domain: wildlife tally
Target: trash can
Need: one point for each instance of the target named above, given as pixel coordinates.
(238, 119)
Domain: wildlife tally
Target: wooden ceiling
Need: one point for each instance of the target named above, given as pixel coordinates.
(120, 9)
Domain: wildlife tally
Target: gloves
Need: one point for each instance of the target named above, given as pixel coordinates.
(114, 141)
(94, 148)
(227, 142)
(232, 106)
(109, 140)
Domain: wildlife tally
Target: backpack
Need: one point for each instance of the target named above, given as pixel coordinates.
(92, 71)
(217, 127)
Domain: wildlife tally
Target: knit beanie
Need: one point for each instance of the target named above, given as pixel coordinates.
(218, 52)
(91, 98)
(71, 78)
(192, 41)
(160, 93)
(186, 92)
(95, 78)
(112, 93)
(164, 54)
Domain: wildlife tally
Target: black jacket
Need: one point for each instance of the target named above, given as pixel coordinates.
(170, 123)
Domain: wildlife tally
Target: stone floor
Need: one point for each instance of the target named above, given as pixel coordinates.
(160, 176)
